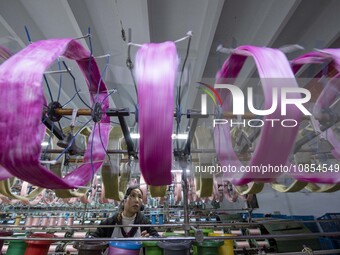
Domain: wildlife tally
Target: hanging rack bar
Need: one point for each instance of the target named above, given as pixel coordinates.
(108, 151)
(241, 237)
(57, 71)
(291, 48)
(196, 225)
(93, 57)
(69, 112)
(226, 115)
(189, 34)
(285, 49)
(82, 37)
(244, 154)
(333, 251)
(135, 44)
(129, 62)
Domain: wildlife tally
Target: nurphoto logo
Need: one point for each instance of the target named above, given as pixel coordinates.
(280, 97)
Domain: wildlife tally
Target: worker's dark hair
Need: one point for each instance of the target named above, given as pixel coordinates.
(130, 189)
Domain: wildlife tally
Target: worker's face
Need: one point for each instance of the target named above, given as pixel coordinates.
(133, 202)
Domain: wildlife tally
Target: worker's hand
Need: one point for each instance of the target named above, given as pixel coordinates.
(145, 234)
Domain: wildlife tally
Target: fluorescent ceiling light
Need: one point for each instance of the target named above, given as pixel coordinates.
(179, 136)
(179, 171)
(134, 135)
(44, 143)
(173, 136)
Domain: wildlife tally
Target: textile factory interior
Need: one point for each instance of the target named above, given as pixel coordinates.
(221, 114)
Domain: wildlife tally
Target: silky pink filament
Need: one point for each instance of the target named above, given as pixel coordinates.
(327, 97)
(22, 100)
(274, 143)
(156, 67)
(4, 54)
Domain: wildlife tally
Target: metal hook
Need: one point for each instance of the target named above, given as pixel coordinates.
(291, 48)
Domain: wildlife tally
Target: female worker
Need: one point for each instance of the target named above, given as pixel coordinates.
(129, 213)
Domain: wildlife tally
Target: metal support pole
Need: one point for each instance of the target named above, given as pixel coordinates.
(184, 164)
(182, 157)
